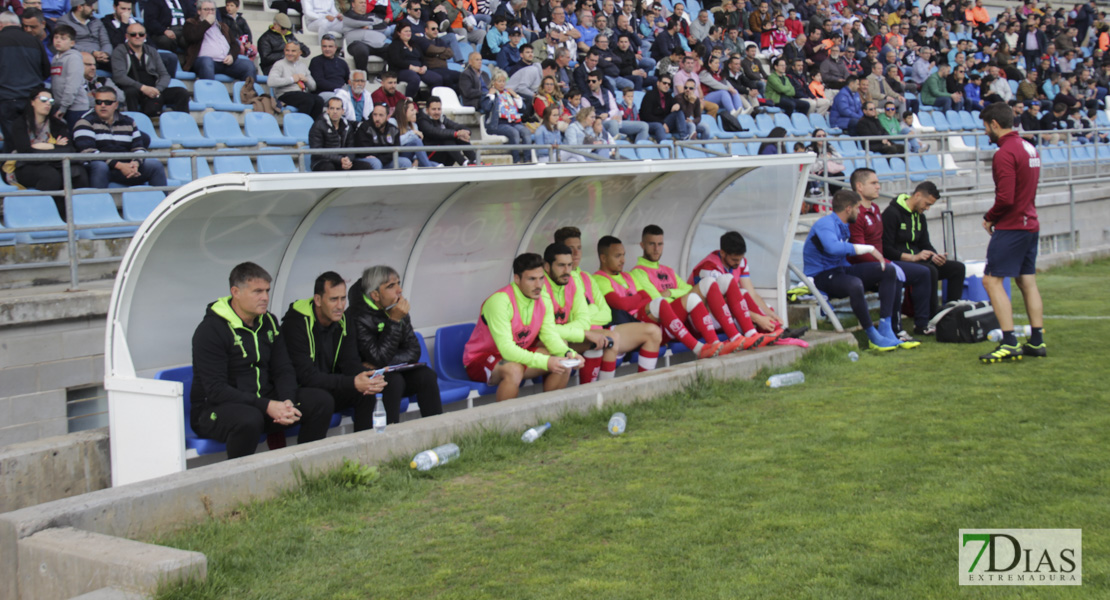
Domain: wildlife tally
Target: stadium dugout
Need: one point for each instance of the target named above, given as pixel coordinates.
(452, 233)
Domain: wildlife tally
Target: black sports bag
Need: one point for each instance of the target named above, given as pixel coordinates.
(964, 322)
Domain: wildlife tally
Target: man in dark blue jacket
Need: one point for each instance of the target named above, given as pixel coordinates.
(826, 263)
(25, 68)
(330, 72)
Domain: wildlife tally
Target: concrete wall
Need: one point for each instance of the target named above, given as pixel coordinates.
(49, 342)
(58, 467)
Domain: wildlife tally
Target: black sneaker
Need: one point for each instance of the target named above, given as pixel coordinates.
(1038, 351)
(1001, 353)
(796, 332)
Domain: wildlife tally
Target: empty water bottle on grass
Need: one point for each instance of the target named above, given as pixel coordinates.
(785, 379)
(379, 416)
(995, 335)
(534, 433)
(853, 356)
(617, 423)
(440, 455)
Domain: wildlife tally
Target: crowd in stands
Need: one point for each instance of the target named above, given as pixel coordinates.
(338, 348)
(556, 71)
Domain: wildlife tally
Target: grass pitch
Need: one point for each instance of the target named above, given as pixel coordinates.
(853, 485)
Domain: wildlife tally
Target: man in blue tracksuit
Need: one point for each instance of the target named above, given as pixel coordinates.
(825, 253)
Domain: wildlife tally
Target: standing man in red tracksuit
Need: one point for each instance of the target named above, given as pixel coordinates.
(1014, 230)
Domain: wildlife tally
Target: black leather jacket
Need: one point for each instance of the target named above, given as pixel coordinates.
(381, 341)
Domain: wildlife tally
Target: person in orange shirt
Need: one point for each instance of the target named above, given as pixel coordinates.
(977, 16)
(817, 87)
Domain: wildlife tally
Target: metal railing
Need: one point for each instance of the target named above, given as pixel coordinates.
(940, 146)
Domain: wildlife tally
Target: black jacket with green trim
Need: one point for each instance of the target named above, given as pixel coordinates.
(381, 341)
(323, 357)
(904, 231)
(236, 363)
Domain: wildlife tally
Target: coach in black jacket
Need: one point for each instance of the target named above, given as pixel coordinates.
(323, 351)
(243, 382)
(438, 130)
(380, 315)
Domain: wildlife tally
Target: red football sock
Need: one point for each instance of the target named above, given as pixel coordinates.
(739, 307)
(589, 371)
(647, 360)
(703, 323)
(673, 326)
(716, 303)
(608, 369)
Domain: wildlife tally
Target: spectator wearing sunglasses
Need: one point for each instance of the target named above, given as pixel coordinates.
(104, 129)
(139, 71)
(41, 131)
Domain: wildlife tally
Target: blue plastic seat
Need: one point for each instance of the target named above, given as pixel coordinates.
(449, 391)
(180, 128)
(264, 127)
(1103, 152)
(146, 126)
(926, 119)
(918, 170)
(897, 168)
(6, 239)
(34, 211)
(137, 205)
(1083, 153)
(764, 123)
(213, 94)
(1102, 119)
(297, 126)
(192, 440)
(99, 209)
(820, 122)
(626, 151)
(940, 121)
(223, 127)
(276, 163)
(748, 123)
(955, 121)
(649, 153)
(180, 169)
(1014, 86)
(232, 164)
(802, 125)
(882, 168)
(970, 121)
(450, 342)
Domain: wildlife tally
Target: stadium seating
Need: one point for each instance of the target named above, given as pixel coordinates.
(6, 239)
(647, 153)
(451, 104)
(764, 123)
(802, 124)
(297, 126)
(820, 122)
(449, 391)
(99, 209)
(137, 205)
(192, 440)
(264, 127)
(213, 94)
(941, 122)
(180, 169)
(34, 211)
(223, 127)
(182, 129)
(232, 164)
(450, 342)
(145, 125)
(276, 163)
(626, 151)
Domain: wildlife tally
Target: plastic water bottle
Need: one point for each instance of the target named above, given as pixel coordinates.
(785, 379)
(995, 335)
(379, 416)
(617, 423)
(853, 356)
(440, 455)
(534, 433)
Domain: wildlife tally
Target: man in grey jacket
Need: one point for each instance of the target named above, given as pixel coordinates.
(92, 37)
(140, 73)
(293, 84)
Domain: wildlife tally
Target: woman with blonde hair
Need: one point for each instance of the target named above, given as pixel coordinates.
(503, 107)
(550, 95)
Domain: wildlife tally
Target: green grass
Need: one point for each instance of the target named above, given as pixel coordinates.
(853, 485)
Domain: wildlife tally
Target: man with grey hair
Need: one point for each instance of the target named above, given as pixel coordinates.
(385, 337)
(357, 105)
(244, 384)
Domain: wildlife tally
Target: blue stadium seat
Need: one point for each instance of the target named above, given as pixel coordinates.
(882, 168)
(264, 127)
(970, 121)
(180, 128)
(1053, 156)
(955, 121)
(1102, 119)
(626, 151)
(184, 75)
(450, 342)
(137, 205)
(99, 209)
(932, 162)
(276, 163)
(689, 152)
(224, 78)
(232, 164)
(926, 119)
(194, 106)
(941, 122)
(969, 140)
(192, 440)
(1103, 152)
(781, 120)
(717, 132)
(748, 123)
(848, 147)
(297, 126)
(1014, 86)
(225, 129)
(820, 122)
(449, 391)
(802, 126)
(145, 125)
(764, 123)
(918, 170)
(6, 239)
(649, 153)
(1083, 153)
(898, 168)
(180, 169)
(213, 94)
(34, 211)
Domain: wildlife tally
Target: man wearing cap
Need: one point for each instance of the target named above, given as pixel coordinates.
(91, 35)
(271, 44)
(508, 56)
(212, 49)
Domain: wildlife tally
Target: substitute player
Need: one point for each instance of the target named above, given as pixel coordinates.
(630, 303)
(661, 281)
(1014, 230)
(515, 338)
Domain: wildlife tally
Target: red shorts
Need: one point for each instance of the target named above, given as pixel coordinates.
(483, 366)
